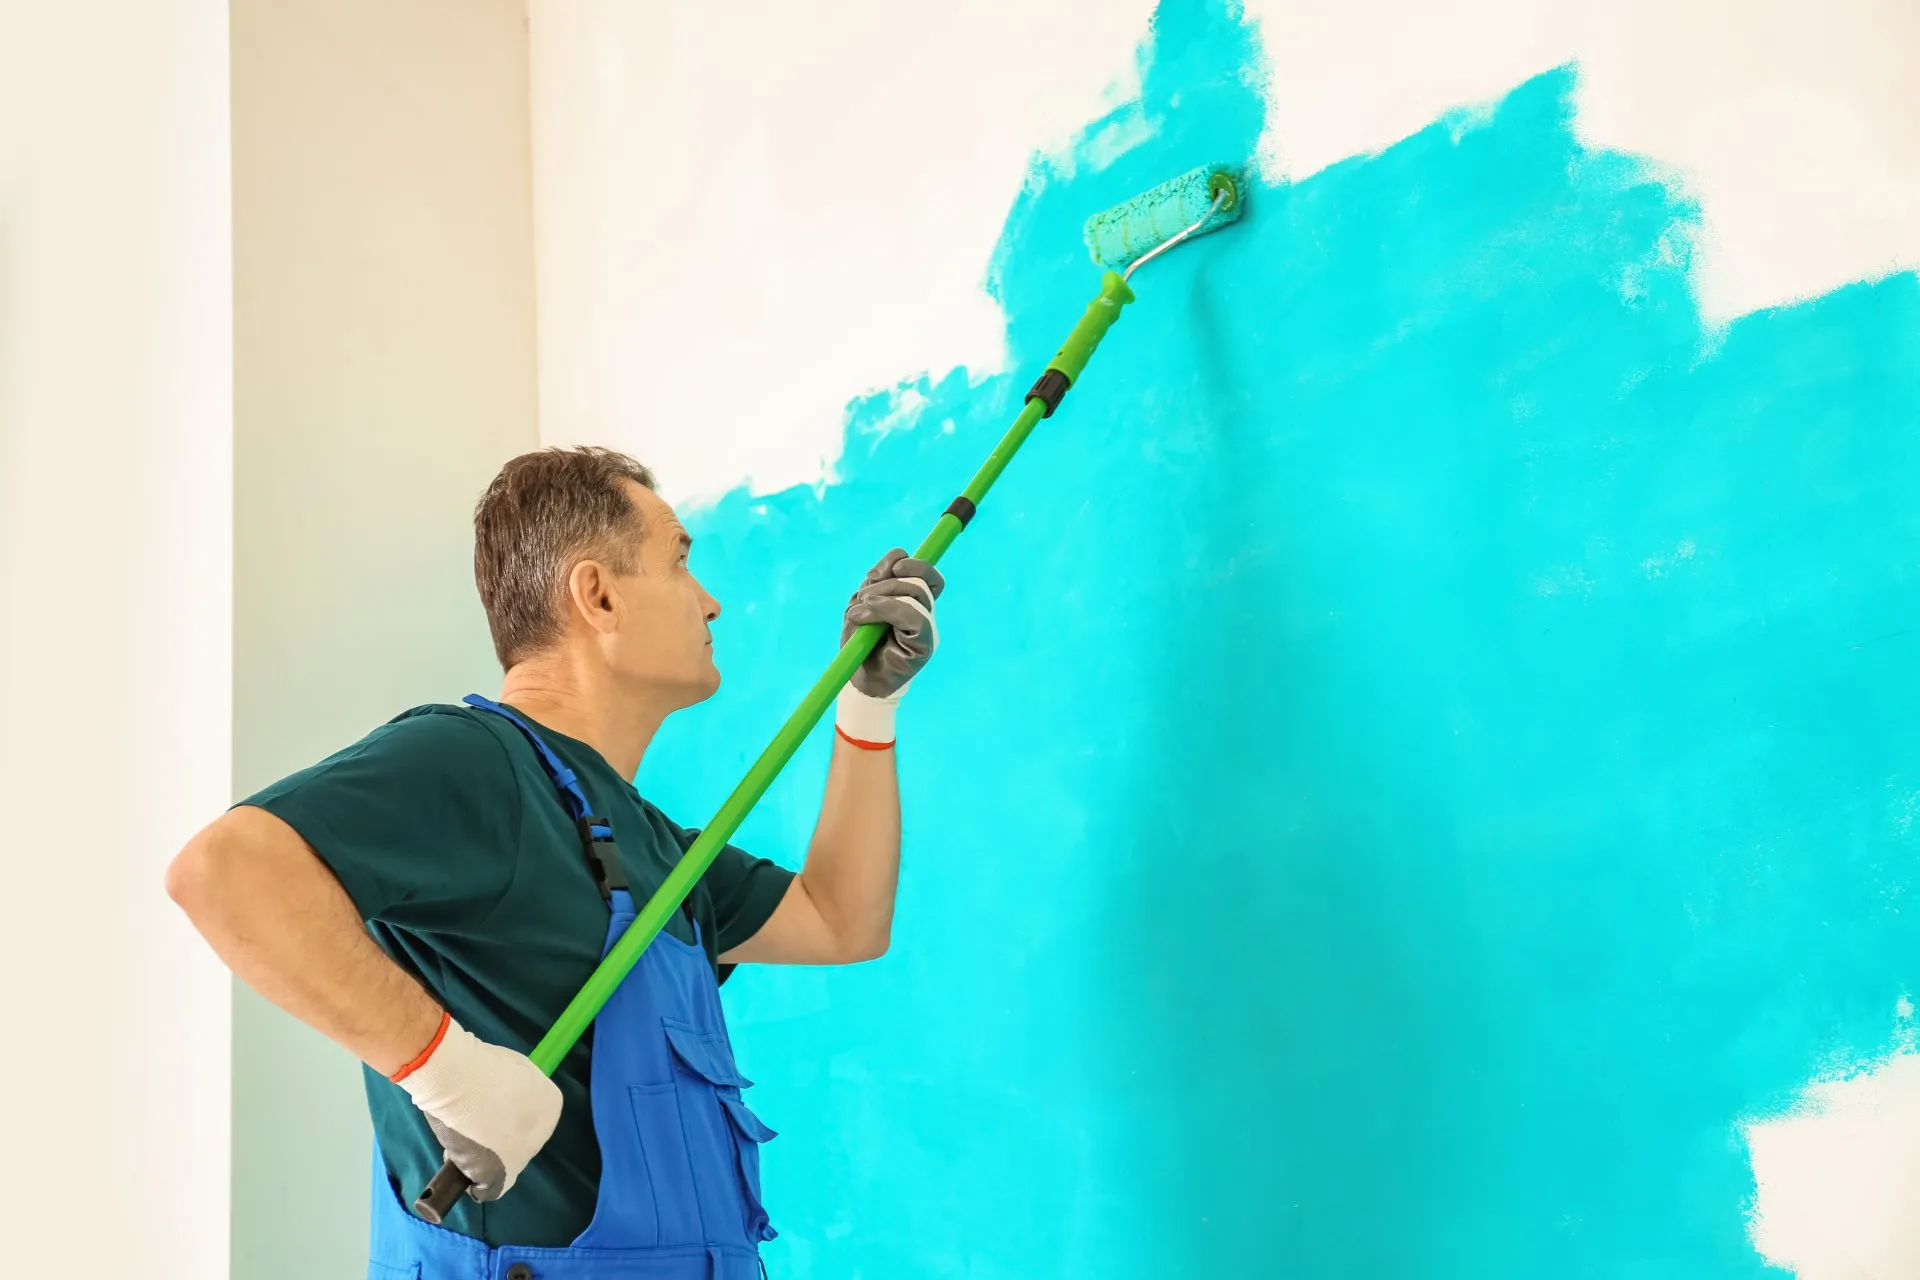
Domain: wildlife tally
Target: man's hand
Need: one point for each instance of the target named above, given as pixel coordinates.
(490, 1107)
(899, 593)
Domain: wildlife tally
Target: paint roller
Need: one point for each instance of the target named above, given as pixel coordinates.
(1122, 239)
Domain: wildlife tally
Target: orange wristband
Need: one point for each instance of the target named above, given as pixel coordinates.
(864, 746)
(446, 1020)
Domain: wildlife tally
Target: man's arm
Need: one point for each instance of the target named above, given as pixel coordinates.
(275, 914)
(281, 921)
(839, 909)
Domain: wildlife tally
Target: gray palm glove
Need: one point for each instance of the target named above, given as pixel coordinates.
(484, 1168)
(899, 594)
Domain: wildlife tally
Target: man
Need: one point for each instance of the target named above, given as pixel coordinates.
(431, 897)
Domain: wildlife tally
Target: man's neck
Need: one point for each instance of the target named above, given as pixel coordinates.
(568, 700)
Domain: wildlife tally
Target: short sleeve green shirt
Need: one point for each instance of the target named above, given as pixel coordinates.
(457, 851)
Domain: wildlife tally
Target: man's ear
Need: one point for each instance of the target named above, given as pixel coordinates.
(591, 590)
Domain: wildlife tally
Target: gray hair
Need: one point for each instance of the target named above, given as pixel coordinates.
(544, 513)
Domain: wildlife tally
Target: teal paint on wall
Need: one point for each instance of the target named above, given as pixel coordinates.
(1425, 742)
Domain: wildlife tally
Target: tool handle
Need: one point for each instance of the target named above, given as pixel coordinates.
(1101, 313)
(447, 1186)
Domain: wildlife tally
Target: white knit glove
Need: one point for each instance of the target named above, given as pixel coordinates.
(490, 1107)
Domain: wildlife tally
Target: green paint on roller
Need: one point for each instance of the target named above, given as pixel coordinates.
(1140, 225)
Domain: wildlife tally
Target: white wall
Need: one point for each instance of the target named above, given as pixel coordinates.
(384, 369)
(798, 201)
(115, 537)
(373, 250)
(1795, 122)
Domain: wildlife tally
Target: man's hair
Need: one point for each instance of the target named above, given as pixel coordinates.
(544, 513)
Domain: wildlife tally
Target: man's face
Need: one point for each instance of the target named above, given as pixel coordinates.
(663, 642)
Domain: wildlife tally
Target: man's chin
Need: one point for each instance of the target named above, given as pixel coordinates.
(693, 690)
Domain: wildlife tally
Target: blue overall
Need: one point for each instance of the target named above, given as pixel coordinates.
(679, 1151)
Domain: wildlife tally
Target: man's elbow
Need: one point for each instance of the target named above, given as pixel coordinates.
(865, 947)
(202, 873)
(191, 875)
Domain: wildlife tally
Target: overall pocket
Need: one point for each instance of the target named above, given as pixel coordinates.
(719, 1122)
(662, 1212)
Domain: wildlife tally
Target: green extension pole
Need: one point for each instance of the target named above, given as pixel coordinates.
(666, 900)
(1062, 371)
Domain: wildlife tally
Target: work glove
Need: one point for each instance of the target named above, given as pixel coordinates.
(491, 1108)
(899, 594)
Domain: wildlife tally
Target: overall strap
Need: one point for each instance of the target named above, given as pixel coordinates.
(596, 834)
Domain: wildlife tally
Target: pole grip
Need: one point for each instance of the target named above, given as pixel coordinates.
(1101, 313)
(447, 1186)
